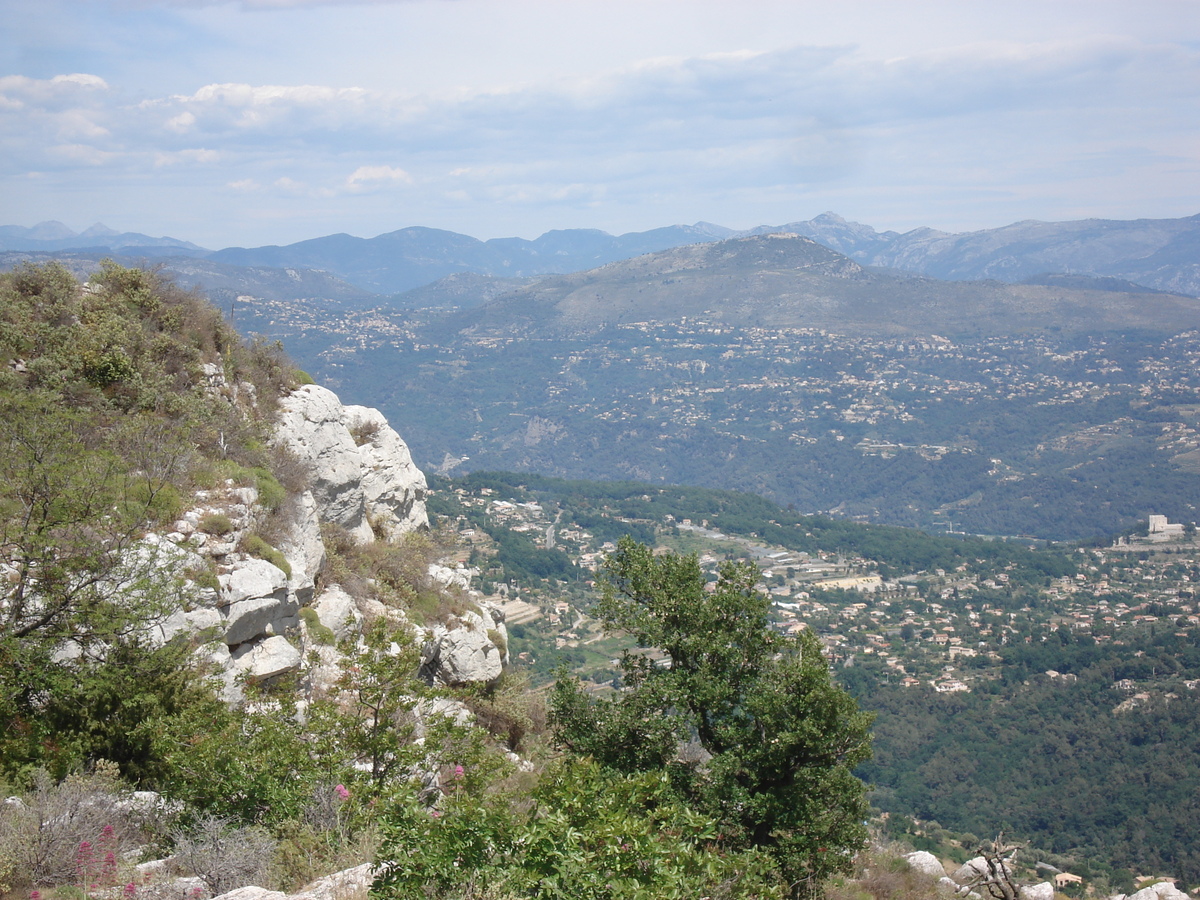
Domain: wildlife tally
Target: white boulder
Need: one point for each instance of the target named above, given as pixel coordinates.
(1042, 891)
(353, 485)
(252, 579)
(303, 548)
(337, 611)
(926, 863)
(464, 653)
(255, 601)
(393, 487)
(1163, 890)
(348, 884)
(974, 869)
(268, 658)
(187, 622)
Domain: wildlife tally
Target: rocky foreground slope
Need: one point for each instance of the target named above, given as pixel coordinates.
(362, 479)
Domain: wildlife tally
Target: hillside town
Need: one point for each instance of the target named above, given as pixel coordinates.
(941, 629)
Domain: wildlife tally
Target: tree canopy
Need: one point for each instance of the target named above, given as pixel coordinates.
(746, 721)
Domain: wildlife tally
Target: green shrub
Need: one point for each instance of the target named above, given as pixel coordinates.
(322, 634)
(256, 546)
(498, 639)
(202, 576)
(217, 524)
(271, 494)
(301, 377)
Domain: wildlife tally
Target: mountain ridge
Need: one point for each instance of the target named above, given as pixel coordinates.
(1163, 254)
(783, 279)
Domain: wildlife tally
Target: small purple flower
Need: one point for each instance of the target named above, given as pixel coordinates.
(130, 890)
(458, 772)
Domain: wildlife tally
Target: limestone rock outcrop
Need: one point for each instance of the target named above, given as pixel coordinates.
(363, 477)
(1163, 890)
(472, 649)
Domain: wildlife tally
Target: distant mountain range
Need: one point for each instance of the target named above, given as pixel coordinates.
(1156, 253)
(783, 280)
(413, 257)
(49, 237)
(1162, 254)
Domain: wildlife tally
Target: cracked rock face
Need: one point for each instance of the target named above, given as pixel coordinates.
(362, 472)
(467, 652)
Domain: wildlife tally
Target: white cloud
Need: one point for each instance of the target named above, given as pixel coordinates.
(751, 131)
(182, 122)
(368, 176)
(195, 155)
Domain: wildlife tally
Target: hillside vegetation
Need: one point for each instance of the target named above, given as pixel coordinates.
(124, 400)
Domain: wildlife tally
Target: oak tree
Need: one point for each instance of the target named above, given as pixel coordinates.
(746, 721)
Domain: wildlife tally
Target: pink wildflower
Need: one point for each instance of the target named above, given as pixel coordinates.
(341, 791)
(458, 772)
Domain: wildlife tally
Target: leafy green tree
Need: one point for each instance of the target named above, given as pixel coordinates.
(747, 722)
(78, 592)
(584, 833)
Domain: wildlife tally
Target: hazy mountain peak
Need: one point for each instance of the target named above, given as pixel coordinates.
(829, 216)
(98, 230)
(50, 230)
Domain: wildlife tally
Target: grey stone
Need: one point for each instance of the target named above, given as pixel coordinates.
(189, 622)
(393, 487)
(303, 548)
(258, 616)
(926, 863)
(462, 654)
(1041, 891)
(353, 485)
(336, 610)
(312, 426)
(268, 658)
(1161, 891)
(251, 579)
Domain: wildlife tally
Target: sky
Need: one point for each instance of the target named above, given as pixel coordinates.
(273, 121)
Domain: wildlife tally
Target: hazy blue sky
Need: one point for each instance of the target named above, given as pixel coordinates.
(271, 121)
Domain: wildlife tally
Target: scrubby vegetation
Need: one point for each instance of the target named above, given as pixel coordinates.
(119, 401)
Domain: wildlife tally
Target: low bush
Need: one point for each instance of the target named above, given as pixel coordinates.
(225, 856)
(256, 546)
(85, 822)
(322, 634)
(217, 524)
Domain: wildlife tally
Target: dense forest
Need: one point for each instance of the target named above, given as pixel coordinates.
(1076, 765)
